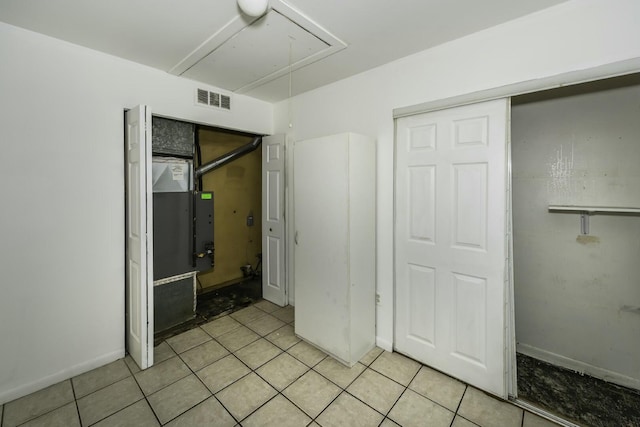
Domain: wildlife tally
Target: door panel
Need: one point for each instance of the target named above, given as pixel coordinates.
(470, 312)
(422, 206)
(273, 224)
(470, 206)
(422, 299)
(139, 224)
(450, 241)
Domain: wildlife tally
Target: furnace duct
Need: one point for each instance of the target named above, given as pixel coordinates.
(229, 157)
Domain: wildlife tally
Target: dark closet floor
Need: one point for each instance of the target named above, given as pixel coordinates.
(215, 303)
(228, 299)
(581, 399)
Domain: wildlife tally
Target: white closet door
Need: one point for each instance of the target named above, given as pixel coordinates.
(139, 216)
(274, 278)
(450, 241)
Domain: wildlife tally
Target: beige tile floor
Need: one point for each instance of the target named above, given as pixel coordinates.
(249, 369)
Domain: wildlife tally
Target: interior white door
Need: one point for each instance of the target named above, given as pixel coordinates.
(139, 225)
(274, 278)
(450, 241)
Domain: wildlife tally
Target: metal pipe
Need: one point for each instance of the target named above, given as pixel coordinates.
(229, 157)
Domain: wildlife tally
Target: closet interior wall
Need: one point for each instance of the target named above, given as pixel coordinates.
(577, 296)
(237, 193)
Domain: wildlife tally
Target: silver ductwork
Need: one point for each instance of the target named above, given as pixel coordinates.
(229, 157)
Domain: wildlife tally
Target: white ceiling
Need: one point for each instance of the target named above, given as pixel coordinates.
(212, 42)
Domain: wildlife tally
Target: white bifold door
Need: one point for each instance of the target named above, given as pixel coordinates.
(274, 278)
(139, 226)
(450, 242)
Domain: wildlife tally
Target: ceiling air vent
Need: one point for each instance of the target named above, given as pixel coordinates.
(213, 99)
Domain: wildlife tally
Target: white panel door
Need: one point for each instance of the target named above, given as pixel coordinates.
(139, 217)
(274, 279)
(450, 241)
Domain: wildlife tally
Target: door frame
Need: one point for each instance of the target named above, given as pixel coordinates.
(552, 82)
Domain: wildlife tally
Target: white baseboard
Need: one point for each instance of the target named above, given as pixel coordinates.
(384, 344)
(578, 366)
(65, 374)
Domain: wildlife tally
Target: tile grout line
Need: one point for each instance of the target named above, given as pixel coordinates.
(386, 416)
(251, 370)
(278, 392)
(47, 412)
(75, 400)
(403, 391)
(420, 394)
(244, 376)
(326, 407)
(118, 411)
(144, 396)
(466, 387)
(165, 386)
(203, 384)
(282, 351)
(225, 408)
(343, 390)
(103, 387)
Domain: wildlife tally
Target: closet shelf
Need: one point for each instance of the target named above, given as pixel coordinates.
(594, 209)
(585, 211)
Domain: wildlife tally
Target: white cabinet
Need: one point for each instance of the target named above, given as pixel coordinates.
(334, 184)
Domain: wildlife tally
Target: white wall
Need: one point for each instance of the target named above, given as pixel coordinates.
(575, 35)
(62, 209)
(574, 294)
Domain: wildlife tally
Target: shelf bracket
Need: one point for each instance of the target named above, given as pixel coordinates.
(584, 222)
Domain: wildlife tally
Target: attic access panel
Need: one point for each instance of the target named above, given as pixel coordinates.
(257, 51)
(244, 55)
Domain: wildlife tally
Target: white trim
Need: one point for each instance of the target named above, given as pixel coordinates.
(578, 366)
(231, 28)
(174, 278)
(510, 315)
(289, 220)
(542, 413)
(565, 79)
(384, 344)
(65, 374)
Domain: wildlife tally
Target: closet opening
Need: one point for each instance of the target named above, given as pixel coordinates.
(234, 280)
(207, 215)
(576, 233)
